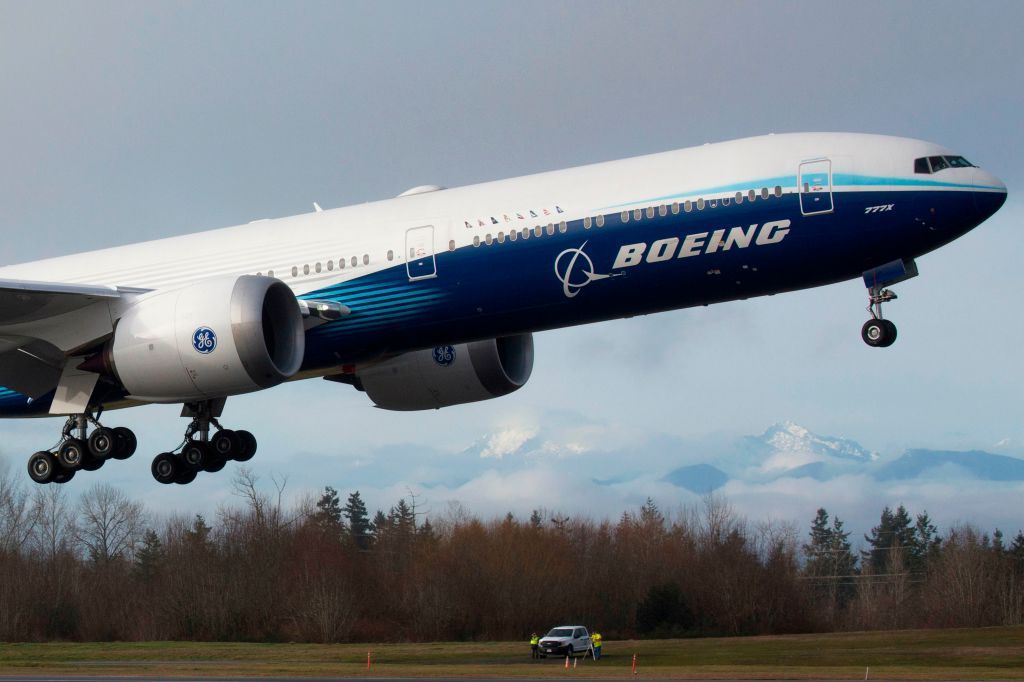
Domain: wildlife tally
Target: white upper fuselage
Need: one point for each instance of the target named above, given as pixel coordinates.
(368, 232)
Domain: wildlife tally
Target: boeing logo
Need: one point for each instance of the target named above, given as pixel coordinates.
(575, 270)
(701, 243)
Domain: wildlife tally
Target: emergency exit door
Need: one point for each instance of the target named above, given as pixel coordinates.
(816, 187)
(419, 252)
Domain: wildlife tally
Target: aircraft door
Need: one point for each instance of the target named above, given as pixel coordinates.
(419, 251)
(815, 187)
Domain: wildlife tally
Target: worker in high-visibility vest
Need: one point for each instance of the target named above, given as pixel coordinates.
(535, 645)
(595, 639)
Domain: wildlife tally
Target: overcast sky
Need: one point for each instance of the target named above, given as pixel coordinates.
(123, 122)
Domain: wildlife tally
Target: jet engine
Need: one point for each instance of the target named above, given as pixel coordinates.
(449, 375)
(211, 339)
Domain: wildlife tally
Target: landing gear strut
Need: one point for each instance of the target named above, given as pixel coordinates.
(78, 450)
(878, 332)
(200, 451)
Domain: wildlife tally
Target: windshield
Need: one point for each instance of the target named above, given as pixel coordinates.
(560, 632)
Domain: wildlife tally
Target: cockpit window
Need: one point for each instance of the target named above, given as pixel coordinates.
(938, 163)
(933, 164)
(958, 162)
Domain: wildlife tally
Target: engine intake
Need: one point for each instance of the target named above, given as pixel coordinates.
(211, 339)
(449, 375)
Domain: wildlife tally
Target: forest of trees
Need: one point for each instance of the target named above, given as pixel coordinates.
(100, 567)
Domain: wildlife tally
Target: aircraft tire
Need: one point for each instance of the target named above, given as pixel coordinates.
(890, 328)
(63, 475)
(195, 454)
(875, 332)
(226, 443)
(42, 467)
(102, 443)
(90, 463)
(249, 446)
(126, 443)
(186, 476)
(166, 467)
(214, 463)
(72, 453)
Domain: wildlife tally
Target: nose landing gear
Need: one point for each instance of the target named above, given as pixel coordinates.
(200, 451)
(879, 332)
(78, 451)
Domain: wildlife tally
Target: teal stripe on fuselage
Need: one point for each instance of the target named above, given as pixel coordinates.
(838, 180)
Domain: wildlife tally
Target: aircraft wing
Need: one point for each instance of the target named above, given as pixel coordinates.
(42, 323)
(23, 301)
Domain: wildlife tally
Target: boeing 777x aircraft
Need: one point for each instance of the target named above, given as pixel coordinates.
(430, 299)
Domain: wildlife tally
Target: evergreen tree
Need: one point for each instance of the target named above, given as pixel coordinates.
(358, 520)
(199, 534)
(149, 556)
(1017, 551)
(404, 518)
(379, 526)
(997, 542)
(650, 516)
(830, 559)
(426, 531)
(894, 534)
(926, 543)
(535, 519)
(329, 512)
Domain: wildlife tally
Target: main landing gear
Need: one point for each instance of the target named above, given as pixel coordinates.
(200, 451)
(878, 332)
(78, 450)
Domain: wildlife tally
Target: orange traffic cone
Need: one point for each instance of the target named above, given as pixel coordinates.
(566, 662)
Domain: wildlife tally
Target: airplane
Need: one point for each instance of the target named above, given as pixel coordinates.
(431, 299)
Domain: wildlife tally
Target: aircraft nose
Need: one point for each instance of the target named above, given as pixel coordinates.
(990, 195)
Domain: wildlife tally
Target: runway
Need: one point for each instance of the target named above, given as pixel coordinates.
(148, 678)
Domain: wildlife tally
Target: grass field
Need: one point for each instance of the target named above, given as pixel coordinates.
(976, 654)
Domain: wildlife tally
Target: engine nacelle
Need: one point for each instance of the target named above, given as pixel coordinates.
(211, 339)
(449, 375)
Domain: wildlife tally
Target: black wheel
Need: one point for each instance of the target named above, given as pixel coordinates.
(877, 333)
(90, 463)
(195, 454)
(249, 445)
(126, 443)
(226, 444)
(42, 467)
(890, 330)
(71, 453)
(214, 463)
(102, 443)
(166, 467)
(186, 476)
(568, 651)
(63, 475)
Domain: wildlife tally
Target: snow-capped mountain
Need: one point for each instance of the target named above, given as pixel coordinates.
(787, 446)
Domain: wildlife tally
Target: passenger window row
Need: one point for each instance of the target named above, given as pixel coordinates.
(636, 214)
(354, 261)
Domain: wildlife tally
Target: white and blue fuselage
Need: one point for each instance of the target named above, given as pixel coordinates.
(691, 227)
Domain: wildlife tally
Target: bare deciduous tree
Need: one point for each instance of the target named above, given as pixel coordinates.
(110, 525)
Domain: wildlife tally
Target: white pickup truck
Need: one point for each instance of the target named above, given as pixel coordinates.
(565, 640)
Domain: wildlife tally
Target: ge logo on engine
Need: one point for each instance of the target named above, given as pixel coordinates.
(204, 340)
(444, 355)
